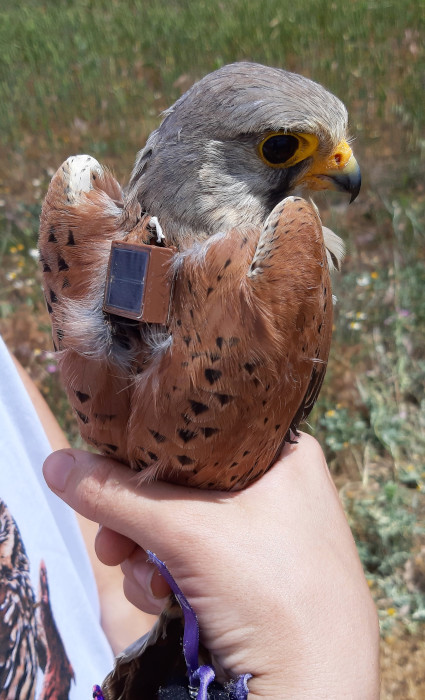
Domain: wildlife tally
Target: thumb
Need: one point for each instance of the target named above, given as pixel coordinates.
(107, 492)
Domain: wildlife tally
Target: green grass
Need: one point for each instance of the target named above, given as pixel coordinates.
(92, 75)
(112, 65)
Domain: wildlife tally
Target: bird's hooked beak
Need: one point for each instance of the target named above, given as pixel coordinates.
(339, 171)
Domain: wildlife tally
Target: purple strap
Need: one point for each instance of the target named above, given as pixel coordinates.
(239, 688)
(191, 627)
(204, 675)
(200, 677)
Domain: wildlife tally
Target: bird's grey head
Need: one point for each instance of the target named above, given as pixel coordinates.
(238, 142)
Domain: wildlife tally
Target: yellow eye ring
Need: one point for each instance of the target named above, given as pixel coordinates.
(305, 145)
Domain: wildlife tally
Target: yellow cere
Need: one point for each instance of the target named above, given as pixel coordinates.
(336, 161)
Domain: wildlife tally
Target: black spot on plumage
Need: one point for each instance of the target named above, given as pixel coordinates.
(54, 346)
(234, 477)
(62, 264)
(189, 286)
(46, 267)
(245, 453)
(319, 327)
(52, 238)
(82, 416)
(198, 407)
(234, 341)
(187, 339)
(250, 367)
(92, 441)
(157, 436)
(198, 338)
(276, 427)
(212, 375)
(185, 418)
(53, 297)
(256, 381)
(209, 432)
(234, 464)
(179, 322)
(214, 357)
(209, 290)
(185, 364)
(82, 397)
(71, 239)
(141, 463)
(219, 342)
(59, 333)
(66, 283)
(187, 435)
(265, 420)
(111, 447)
(224, 398)
(153, 456)
(191, 313)
(227, 263)
(185, 460)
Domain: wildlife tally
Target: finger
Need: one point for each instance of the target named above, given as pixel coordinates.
(143, 584)
(111, 547)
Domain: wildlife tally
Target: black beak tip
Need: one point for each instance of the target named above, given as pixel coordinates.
(355, 186)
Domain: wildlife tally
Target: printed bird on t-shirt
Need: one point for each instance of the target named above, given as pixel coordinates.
(207, 396)
(30, 641)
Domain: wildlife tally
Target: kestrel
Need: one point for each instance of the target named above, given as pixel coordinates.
(210, 344)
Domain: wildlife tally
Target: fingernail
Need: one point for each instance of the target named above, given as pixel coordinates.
(56, 469)
(159, 587)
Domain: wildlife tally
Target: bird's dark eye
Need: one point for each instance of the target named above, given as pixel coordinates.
(280, 148)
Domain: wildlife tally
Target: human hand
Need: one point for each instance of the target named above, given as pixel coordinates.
(272, 571)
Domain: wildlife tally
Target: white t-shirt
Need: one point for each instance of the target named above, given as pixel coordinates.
(50, 533)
